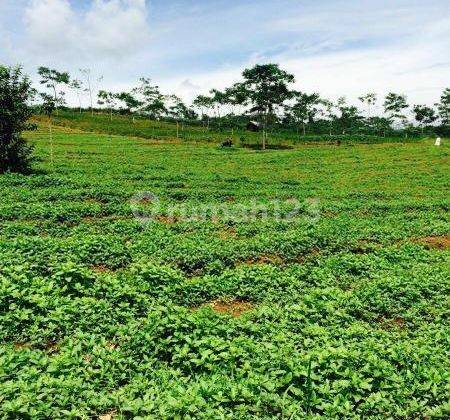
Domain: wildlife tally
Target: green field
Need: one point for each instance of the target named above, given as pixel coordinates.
(195, 131)
(340, 311)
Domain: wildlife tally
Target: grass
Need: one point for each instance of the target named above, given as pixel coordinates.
(340, 314)
(142, 127)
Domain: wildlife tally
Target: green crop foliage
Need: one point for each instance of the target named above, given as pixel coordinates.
(344, 315)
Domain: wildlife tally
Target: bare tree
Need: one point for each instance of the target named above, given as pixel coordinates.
(90, 87)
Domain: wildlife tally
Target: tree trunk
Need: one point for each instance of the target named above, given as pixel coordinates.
(51, 138)
(56, 99)
(304, 129)
(264, 131)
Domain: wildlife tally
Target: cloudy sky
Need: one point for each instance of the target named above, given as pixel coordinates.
(334, 47)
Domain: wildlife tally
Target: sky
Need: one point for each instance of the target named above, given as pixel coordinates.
(336, 48)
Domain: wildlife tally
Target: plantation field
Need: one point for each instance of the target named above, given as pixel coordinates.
(140, 126)
(338, 311)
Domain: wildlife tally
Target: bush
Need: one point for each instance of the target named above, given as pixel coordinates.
(227, 143)
(15, 92)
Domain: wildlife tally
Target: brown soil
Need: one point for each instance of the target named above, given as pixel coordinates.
(305, 257)
(166, 220)
(50, 347)
(227, 233)
(397, 322)
(265, 259)
(107, 416)
(436, 242)
(234, 307)
(100, 268)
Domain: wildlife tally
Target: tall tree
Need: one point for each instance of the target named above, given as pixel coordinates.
(77, 86)
(109, 99)
(266, 87)
(349, 115)
(90, 86)
(370, 99)
(53, 79)
(235, 96)
(130, 101)
(424, 115)
(444, 107)
(153, 101)
(204, 104)
(219, 99)
(15, 95)
(328, 112)
(394, 105)
(304, 109)
(179, 110)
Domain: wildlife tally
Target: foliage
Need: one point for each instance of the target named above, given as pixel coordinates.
(424, 115)
(444, 107)
(265, 88)
(304, 109)
(52, 79)
(102, 316)
(15, 94)
(394, 105)
(265, 95)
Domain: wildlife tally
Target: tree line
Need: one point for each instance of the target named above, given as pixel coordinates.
(265, 95)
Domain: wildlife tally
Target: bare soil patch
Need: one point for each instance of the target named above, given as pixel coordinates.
(234, 307)
(166, 220)
(264, 259)
(435, 242)
(397, 322)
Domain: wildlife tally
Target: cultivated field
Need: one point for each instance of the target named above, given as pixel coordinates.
(340, 310)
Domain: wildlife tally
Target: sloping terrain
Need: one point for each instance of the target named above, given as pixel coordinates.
(181, 280)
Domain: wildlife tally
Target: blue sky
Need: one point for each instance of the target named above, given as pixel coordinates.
(334, 47)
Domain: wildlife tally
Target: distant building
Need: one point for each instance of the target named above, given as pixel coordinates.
(253, 126)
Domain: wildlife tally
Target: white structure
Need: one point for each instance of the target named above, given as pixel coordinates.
(437, 142)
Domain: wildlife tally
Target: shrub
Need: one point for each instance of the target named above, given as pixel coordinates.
(15, 92)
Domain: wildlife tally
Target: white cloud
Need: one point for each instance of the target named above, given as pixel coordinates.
(335, 47)
(50, 24)
(417, 64)
(116, 27)
(107, 29)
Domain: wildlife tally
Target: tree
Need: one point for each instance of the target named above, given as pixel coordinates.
(350, 115)
(378, 125)
(179, 110)
(235, 96)
(266, 87)
(153, 101)
(89, 86)
(109, 99)
(130, 101)
(204, 103)
(444, 107)
(218, 99)
(394, 104)
(52, 79)
(77, 86)
(15, 94)
(304, 109)
(424, 115)
(328, 112)
(369, 99)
